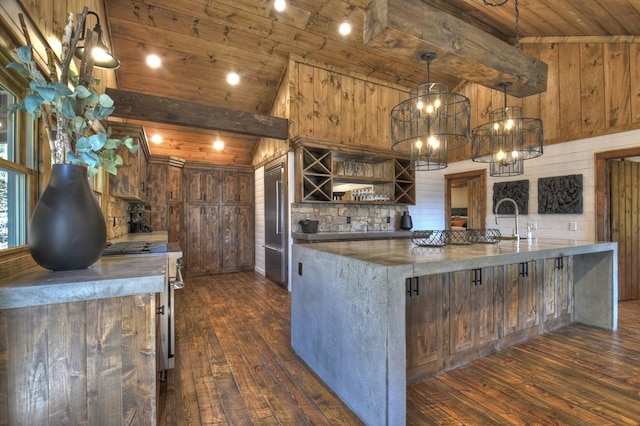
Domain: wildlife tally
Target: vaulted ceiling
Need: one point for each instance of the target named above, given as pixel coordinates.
(200, 41)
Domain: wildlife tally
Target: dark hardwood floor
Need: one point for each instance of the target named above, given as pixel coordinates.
(235, 366)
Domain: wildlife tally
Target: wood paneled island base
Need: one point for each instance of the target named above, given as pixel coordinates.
(370, 316)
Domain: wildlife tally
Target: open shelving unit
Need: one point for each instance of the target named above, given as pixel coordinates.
(329, 173)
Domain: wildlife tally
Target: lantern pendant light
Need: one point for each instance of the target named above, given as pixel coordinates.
(507, 139)
(430, 123)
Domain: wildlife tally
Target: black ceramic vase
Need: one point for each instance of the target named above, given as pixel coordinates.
(67, 230)
(405, 221)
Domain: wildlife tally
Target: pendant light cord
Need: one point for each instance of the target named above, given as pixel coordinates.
(502, 3)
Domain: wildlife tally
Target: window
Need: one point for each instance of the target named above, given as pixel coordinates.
(13, 174)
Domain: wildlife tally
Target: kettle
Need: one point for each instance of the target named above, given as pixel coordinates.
(405, 221)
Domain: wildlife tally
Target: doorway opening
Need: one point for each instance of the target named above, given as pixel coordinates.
(466, 200)
(618, 213)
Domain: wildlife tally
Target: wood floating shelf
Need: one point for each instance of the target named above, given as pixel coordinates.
(329, 173)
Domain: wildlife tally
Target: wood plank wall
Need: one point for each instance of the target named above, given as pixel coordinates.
(592, 89)
(625, 225)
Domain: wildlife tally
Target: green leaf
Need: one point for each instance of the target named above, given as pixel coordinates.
(22, 70)
(97, 141)
(110, 167)
(82, 92)
(112, 144)
(106, 101)
(78, 125)
(102, 112)
(68, 108)
(61, 89)
(47, 93)
(32, 103)
(91, 159)
(24, 54)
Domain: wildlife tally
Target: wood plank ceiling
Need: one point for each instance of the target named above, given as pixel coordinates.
(200, 41)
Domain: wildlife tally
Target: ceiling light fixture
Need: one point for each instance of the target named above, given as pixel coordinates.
(156, 138)
(508, 138)
(279, 5)
(218, 145)
(102, 56)
(233, 78)
(154, 61)
(430, 123)
(345, 28)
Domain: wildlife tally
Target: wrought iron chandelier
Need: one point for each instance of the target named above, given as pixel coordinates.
(430, 123)
(507, 139)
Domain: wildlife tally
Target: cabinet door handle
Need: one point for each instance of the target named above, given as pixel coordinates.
(411, 290)
(524, 269)
(477, 276)
(559, 263)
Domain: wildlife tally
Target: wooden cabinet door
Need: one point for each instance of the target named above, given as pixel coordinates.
(229, 238)
(521, 302)
(211, 187)
(246, 240)
(237, 187)
(424, 326)
(474, 307)
(211, 240)
(245, 188)
(175, 183)
(156, 180)
(194, 237)
(558, 291)
(194, 186)
(175, 223)
(202, 239)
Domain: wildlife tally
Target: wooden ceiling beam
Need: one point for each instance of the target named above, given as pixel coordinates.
(409, 28)
(139, 106)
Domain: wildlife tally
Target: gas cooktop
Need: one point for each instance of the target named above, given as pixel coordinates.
(135, 247)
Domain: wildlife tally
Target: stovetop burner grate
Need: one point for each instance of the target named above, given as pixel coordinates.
(135, 247)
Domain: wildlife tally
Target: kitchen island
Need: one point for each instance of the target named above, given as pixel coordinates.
(79, 347)
(366, 315)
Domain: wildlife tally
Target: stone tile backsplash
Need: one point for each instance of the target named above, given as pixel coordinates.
(333, 217)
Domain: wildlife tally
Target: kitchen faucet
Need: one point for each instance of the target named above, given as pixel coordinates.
(515, 216)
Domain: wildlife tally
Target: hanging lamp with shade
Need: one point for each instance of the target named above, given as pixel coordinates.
(102, 56)
(507, 139)
(430, 123)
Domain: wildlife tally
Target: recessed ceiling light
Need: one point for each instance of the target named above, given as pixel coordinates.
(154, 61)
(218, 145)
(233, 78)
(345, 28)
(156, 138)
(279, 5)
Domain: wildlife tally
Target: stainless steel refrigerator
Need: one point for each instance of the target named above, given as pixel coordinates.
(275, 249)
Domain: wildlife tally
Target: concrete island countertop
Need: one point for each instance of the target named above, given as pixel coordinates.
(112, 276)
(335, 236)
(430, 260)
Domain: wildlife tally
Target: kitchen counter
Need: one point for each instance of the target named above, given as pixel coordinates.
(339, 236)
(111, 276)
(79, 347)
(349, 309)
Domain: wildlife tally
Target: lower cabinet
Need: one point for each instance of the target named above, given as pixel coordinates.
(425, 325)
(202, 242)
(558, 291)
(237, 238)
(457, 317)
(474, 314)
(522, 302)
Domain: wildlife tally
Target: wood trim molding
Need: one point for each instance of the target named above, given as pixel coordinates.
(602, 195)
